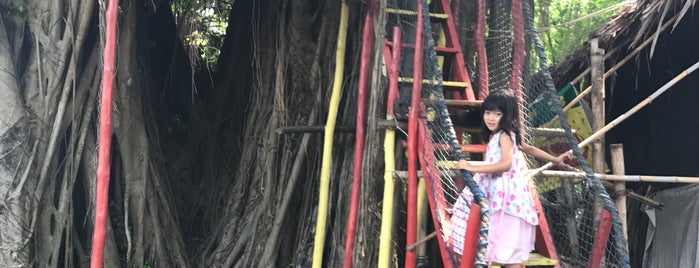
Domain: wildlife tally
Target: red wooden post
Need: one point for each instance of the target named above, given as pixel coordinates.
(601, 236)
(473, 226)
(105, 136)
(367, 38)
(411, 225)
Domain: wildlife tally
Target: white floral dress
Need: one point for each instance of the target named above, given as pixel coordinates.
(510, 199)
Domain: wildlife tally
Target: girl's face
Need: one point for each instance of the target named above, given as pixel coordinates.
(491, 118)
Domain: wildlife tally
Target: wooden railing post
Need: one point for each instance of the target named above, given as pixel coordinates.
(617, 155)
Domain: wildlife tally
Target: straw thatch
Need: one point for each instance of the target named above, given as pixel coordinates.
(629, 27)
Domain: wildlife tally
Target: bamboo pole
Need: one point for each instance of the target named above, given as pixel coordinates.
(630, 112)
(625, 178)
(617, 155)
(312, 129)
(389, 157)
(401, 174)
(326, 166)
(422, 241)
(617, 65)
(597, 82)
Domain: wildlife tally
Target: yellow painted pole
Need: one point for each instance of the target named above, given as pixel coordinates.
(421, 198)
(421, 223)
(442, 42)
(326, 166)
(388, 196)
(389, 146)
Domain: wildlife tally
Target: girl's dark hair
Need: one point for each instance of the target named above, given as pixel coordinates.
(505, 101)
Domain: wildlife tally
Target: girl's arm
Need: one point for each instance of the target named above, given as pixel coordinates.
(541, 154)
(503, 165)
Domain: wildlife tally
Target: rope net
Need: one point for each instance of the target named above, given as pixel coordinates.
(501, 50)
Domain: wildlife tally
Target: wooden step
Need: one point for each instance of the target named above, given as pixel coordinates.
(465, 148)
(440, 50)
(535, 260)
(453, 85)
(433, 16)
(464, 103)
(456, 103)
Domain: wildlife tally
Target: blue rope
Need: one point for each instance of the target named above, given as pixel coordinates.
(617, 238)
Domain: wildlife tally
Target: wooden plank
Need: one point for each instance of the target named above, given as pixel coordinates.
(535, 259)
(464, 103)
(445, 84)
(440, 16)
(440, 50)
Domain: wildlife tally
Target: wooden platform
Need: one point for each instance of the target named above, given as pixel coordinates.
(535, 259)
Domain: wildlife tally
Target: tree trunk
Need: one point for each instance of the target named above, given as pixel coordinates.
(16, 151)
(199, 175)
(50, 61)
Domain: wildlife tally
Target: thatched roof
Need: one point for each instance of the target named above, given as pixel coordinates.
(629, 27)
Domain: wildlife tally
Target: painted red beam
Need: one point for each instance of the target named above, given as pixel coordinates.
(411, 225)
(481, 56)
(394, 71)
(466, 148)
(105, 136)
(518, 52)
(601, 236)
(367, 38)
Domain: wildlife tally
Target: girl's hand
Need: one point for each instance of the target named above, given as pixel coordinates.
(463, 164)
(560, 160)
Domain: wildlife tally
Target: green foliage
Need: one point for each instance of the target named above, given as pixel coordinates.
(13, 14)
(202, 26)
(564, 25)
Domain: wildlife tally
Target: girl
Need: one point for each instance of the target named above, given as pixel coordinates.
(503, 178)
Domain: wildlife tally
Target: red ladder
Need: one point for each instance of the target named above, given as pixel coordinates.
(456, 84)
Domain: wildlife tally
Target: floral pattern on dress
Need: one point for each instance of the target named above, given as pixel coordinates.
(508, 190)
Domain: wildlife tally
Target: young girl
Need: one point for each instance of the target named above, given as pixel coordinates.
(504, 180)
